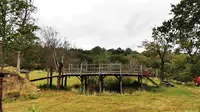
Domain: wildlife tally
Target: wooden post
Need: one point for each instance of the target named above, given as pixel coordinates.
(141, 82)
(139, 79)
(1, 91)
(86, 84)
(120, 84)
(141, 76)
(120, 80)
(65, 82)
(82, 80)
(51, 79)
(101, 84)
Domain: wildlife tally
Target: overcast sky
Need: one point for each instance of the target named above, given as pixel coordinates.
(105, 23)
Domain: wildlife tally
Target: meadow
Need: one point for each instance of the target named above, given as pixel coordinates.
(180, 98)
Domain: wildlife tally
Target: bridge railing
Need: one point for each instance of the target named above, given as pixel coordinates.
(103, 68)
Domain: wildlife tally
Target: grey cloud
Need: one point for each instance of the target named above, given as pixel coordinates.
(107, 23)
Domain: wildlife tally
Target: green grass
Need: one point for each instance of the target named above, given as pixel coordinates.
(178, 99)
(40, 74)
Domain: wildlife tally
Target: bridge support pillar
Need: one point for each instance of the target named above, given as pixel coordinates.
(120, 84)
(65, 81)
(101, 83)
(82, 80)
(86, 83)
(62, 80)
(140, 81)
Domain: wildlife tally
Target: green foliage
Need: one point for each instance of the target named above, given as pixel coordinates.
(17, 28)
(186, 31)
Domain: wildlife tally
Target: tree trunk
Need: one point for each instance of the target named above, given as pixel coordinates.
(18, 62)
(162, 74)
(59, 75)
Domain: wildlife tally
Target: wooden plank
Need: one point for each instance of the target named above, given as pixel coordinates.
(152, 82)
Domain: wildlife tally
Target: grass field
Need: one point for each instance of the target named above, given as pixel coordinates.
(178, 99)
(40, 74)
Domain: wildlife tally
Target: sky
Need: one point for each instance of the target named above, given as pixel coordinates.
(105, 23)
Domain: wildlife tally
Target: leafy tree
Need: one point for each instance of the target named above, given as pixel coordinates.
(186, 24)
(161, 45)
(97, 50)
(128, 51)
(17, 26)
(118, 59)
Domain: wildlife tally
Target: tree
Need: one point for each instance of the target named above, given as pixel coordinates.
(186, 26)
(161, 45)
(128, 51)
(55, 47)
(17, 26)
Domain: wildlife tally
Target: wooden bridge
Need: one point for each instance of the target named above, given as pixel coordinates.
(84, 71)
